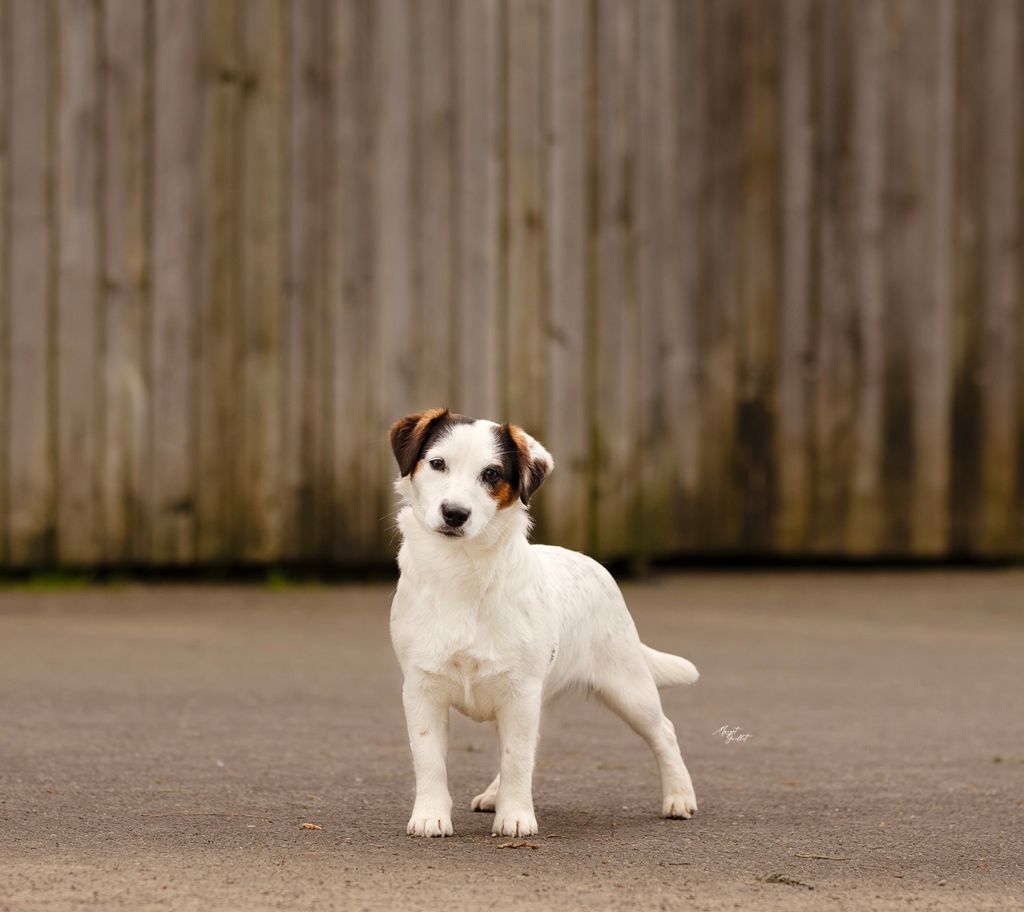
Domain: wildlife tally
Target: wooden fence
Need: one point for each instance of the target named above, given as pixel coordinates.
(752, 270)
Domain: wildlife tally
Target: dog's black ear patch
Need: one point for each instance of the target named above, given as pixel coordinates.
(411, 435)
(524, 472)
(538, 470)
(511, 466)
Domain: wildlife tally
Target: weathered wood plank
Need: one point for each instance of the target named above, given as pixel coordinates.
(526, 306)
(663, 317)
(31, 248)
(1018, 531)
(683, 309)
(902, 268)
(263, 257)
(218, 527)
(177, 169)
(431, 200)
(478, 192)
(865, 523)
(759, 291)
(835, 355)
(931, 313)
(848, 506)
(350, 302)
(793, 449)
(126, 81)
(915, 466)
(524, 219)
(78, 353)
(307, 422)
(720, 513)
(1002, 233)
(393, 381)
(5, 302)
(566, 200)
(615, 426)
(969, 291)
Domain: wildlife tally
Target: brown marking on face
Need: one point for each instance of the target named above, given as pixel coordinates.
(504, 493)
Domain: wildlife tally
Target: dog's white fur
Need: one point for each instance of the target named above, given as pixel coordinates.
(497, 627)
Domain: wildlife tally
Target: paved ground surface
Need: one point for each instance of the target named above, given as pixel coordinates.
(160, 748)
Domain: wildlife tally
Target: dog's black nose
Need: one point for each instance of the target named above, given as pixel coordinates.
(454, 516)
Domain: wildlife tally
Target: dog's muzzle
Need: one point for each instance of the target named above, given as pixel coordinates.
(454, 518)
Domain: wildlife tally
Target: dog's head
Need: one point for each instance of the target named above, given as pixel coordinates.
(458, 473)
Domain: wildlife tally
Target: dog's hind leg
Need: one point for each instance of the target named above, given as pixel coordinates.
(630, 692)
(485, 800)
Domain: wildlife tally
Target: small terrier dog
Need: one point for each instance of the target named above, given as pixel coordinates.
(496, 627)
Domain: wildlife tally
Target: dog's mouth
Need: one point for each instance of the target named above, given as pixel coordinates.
(449, 532)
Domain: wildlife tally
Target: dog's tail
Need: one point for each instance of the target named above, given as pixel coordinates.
(669, 669)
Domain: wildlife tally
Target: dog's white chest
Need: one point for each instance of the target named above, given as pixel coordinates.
(475, 685)
(467, 660)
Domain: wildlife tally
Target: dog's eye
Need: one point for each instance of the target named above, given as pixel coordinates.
(437, 464)
(490, 475)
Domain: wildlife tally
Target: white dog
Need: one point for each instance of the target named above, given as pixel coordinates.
(497, 627)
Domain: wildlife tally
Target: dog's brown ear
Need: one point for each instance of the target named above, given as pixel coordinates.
(409, 436)
(533, 478)
(535, 462)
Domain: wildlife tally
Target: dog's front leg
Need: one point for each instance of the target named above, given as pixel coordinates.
(427, 718)
(518, 731)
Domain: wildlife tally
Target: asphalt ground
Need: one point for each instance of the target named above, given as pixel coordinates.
(162, 747)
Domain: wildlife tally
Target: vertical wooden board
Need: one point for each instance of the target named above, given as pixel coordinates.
(478, 193)
(1018, 541)
(524, 221)
(720, 510)
(263, 257)
(682, 311)
(5, 157)
(307, 511)
(1000, 260)
(125, 414)
(79, 228)
(760, 283)
(393, 382)
(969, 288)
(350, 270)
(567, 64)
(526, 308)
(836, 355)
(663, 316)
(793, 449)
(916, 443)
(615, 425)
(431, 200)
(864, 530)
(932, 315)
(905, 129)
(31, 444)
(654, 129)
(176, 221)
(218, 533)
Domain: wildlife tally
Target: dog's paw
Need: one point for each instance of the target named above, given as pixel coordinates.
(514, 823)
(681, 805)
(484, 802)
(430, 824)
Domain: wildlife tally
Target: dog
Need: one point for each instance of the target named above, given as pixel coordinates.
(486, 622)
